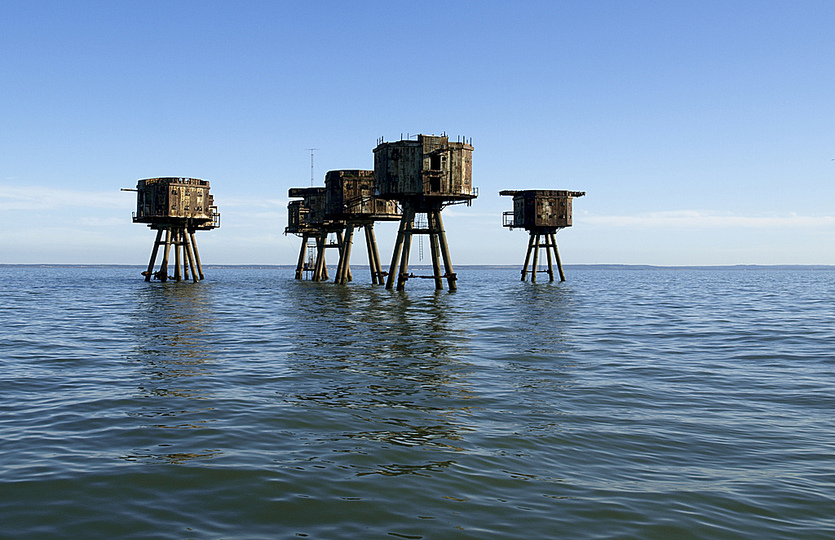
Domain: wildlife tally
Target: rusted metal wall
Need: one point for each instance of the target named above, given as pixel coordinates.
(429, 166)
(350, 193)
(541, 208)
(297, 217)
(161, 199)
(309, 213)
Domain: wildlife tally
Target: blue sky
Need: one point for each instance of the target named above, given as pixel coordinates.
(702, 132)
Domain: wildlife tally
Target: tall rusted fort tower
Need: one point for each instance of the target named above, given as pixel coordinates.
(542, 212)
(175, 208)
(424, 175)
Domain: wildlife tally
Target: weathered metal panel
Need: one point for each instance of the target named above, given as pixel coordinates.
(350, 193)
(429, 166)
(164, 199)
(543, 209)
(297, 216)
(311, 209)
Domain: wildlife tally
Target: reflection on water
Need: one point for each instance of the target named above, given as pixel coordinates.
(169, 325)
(391, 360)
(542, 325)
(419, 470)
(635, 404)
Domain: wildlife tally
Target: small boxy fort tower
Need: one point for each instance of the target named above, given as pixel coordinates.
(349, 199)
(175, 208)
(306, 218)
(345, 203)
(542, 212)
(424, 175)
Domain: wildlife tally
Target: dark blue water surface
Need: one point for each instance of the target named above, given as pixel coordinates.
(623, 403)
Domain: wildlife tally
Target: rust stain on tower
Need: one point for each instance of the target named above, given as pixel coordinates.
(542, 212)
(425, 175)
(176, 208)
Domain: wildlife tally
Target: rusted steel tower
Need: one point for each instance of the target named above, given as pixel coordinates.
(175, 208)
(424, 175)
(307, 219)
(542, 212)
(349, 199)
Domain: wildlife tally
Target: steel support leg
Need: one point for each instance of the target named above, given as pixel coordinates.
(196, 256)
(343, 268)
(302, 252)
(434, 245)
(150, 272)
(557, 255)
(163, 270)
(320, 257)
(450, 273)
(178, 243)
(535, 258)
(550, 261)
(527, 258)
(407, 246)
(398, 246)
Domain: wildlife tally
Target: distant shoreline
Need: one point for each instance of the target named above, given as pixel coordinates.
(465, 266)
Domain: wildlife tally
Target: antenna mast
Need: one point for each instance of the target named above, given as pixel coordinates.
(311, 164)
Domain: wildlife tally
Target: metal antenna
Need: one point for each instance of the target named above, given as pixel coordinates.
(311, 164)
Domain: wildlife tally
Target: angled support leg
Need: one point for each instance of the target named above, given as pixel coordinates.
(300, 263)
(398, 247)
(557, 255)
(550, 260)
(434, 244)
(527, 258)
(407, 246)
(163, 270)
(150, 272)
(450, 273)
(196, 256)
(535, 258)
(318, 272)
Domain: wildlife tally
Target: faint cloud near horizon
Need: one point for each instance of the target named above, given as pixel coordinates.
(33, 198)
(692, 219)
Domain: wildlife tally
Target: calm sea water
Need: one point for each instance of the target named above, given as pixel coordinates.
(623, 403)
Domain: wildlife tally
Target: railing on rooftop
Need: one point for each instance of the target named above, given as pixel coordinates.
(509, 219)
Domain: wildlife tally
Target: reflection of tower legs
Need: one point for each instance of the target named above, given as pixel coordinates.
(538, 240)
(437, 243)
(186, 256)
